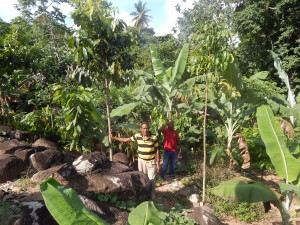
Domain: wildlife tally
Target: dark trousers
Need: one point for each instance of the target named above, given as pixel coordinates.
(169, 159)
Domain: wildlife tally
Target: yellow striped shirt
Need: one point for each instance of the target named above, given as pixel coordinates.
(146, 148)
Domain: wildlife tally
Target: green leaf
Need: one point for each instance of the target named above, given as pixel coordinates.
(260, 75)
(286, 165)
(146, 214)
(65, 205)
(289, 187)
(124, 109)
(243, 192)
(214, 153)
(180, 63)
(158, 67)
(284, 77)
(232, 75)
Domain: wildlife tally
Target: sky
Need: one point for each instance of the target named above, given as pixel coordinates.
(163, 12)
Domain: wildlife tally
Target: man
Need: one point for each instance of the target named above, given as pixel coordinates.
(148, 154)
(171, 148)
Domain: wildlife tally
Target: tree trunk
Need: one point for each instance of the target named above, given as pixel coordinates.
(108, 115)
(204, 143)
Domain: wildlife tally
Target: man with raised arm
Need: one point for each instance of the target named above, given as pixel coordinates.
(171, 148)
(148, 153)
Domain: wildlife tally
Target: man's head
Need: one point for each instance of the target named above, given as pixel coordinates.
(144, 128)
(170, 125)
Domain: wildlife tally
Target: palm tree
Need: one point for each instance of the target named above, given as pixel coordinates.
(140, 15)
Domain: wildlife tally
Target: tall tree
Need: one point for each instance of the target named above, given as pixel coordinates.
(101, 45)
(266, 25)
(140, 15)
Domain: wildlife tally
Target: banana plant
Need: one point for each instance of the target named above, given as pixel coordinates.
(163, 85)
(292, 103)
(66, 206)
(285, 164)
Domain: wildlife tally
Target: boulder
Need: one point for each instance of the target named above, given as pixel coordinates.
(44, 144)
(105, 211)
(121, 158)
(10, 167)
(10, 146)
(203, 215)
(24, 154)
(45, 159)
(25, 213)
(113, 178)
(87, 163)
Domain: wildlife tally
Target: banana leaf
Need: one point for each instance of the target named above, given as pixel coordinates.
(286, 165)
(284, 77)
(243, 192)
(232, 75)
(123, 109)
(65, 205)
(180, 63)
(289, 187)
(158, 67)
(260, 75)
(146, 214)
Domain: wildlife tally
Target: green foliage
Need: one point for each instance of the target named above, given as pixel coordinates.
(285, 164)
(174, 217)
(140, 15)
(246, 212)
(113, 199)
(163, 85)
(123, 110)
(80, 120)
(101, 44)
(40, 122)
(257, 150)
(146, 213)
(264, 26)
(65, 205)
(236, 189)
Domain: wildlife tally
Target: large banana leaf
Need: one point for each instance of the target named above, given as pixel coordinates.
(146, 214)
(156, 61)
(65, 205)
(180, 63)
(123, 109)
(243, 192)
(286, 165)
(232, 75)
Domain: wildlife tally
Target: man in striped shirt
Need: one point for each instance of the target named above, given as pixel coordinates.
(148, 154)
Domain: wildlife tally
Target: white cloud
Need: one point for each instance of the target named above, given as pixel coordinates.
(126, 17)
(172, 15)
(7, 10)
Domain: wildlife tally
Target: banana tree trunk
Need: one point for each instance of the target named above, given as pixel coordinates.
(204, 143)
(108, 115)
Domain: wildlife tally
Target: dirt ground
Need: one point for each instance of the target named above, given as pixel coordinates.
(173, 191)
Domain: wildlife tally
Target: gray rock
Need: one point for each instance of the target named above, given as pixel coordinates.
(121, 158)
(204, 216)
(25, 213)
(126, 184)
(45, 159)
(10, 146)
(24, 154)
(10, 167)
(44, 144)
(87, 163)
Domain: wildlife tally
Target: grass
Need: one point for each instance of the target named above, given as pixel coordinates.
(24, 183)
